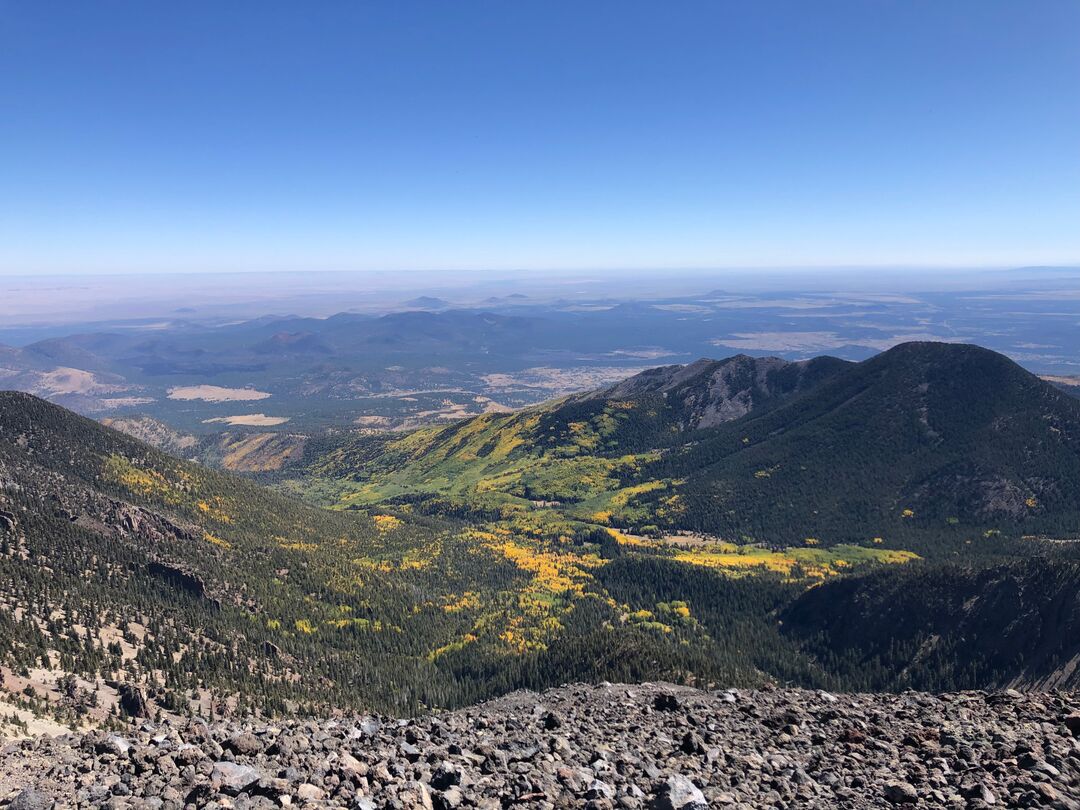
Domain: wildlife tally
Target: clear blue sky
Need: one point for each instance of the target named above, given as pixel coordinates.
(224, 135)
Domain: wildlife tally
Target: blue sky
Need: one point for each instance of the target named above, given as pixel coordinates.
(203, 136)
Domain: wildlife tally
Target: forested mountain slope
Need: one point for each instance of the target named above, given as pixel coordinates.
(120, 564)
(581, 459)
(951, 451)
(1010, 623)
(211, 581)
(924, 439)
(927, 443)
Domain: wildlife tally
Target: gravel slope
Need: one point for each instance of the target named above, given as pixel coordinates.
(649, 745)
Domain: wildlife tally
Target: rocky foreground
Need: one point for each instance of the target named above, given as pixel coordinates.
(651, 745)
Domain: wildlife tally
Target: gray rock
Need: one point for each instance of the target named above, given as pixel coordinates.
(599, 789)
(244, 744)
(449, 799)
(899, 792)
(31, 799)
(231, 778)
(446, 775)
(310, 793)
(1072, 722)
(679, 793)
(980, 792)
(115, 744)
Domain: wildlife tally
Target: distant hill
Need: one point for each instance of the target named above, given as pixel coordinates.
(426, 302)
(286, 343)
(245, 452)
(926, 436)
(413, 367)
(573, 450)
(155, 433)
(925, 440)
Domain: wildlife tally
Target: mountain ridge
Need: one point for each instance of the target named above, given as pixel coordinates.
(940, 430)
(923, 439)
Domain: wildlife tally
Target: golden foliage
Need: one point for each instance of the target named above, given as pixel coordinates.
(149, 483)
(209, 537)
(813, 563)
(470, 600)
(386, 523)
(298, 546)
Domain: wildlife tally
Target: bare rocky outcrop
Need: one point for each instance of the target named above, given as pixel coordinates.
(179, 577)
(604, 747)
(707, 393)
(154, 432)
(133, 701)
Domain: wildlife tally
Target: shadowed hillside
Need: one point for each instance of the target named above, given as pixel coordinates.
(924, 439)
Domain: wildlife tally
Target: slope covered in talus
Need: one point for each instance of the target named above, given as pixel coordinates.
(707, 393)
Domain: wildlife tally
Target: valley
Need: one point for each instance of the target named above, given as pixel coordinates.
(670, 526)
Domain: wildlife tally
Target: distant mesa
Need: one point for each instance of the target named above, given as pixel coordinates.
(248, 420)
(215, 393)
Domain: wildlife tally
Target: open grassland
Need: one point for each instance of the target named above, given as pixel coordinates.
(216, 393)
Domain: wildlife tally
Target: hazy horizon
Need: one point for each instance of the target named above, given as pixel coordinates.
(62, 302)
